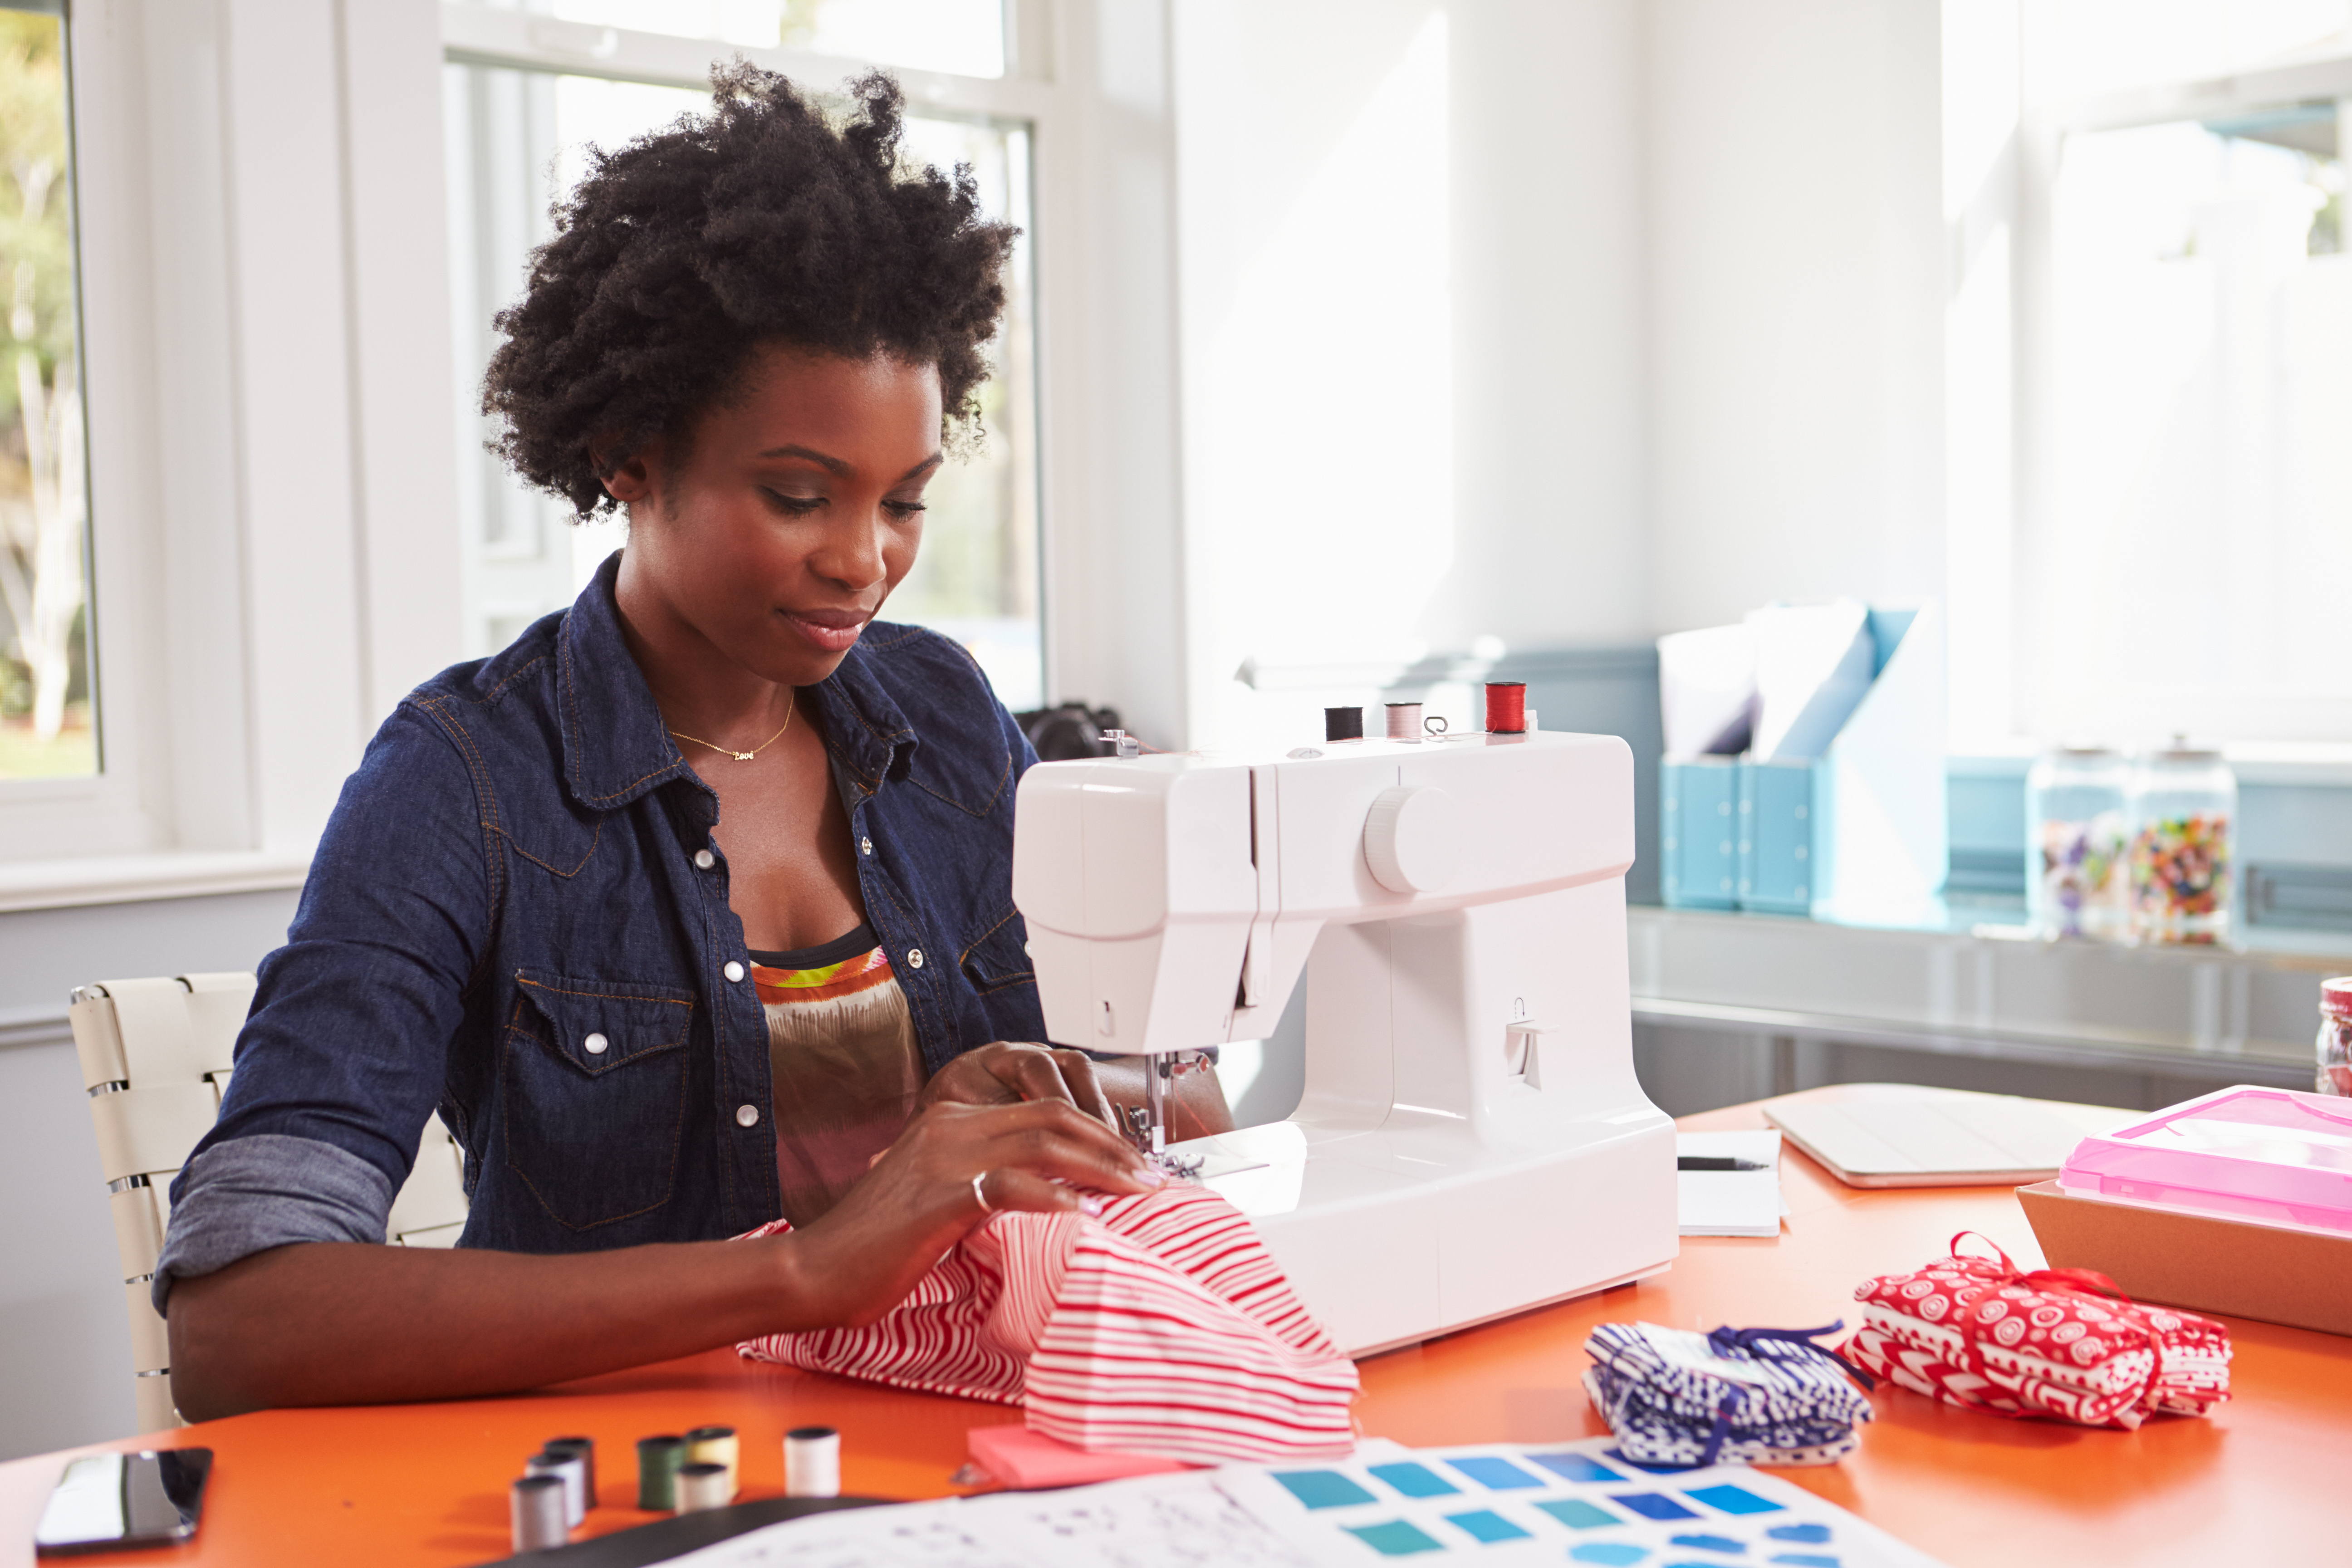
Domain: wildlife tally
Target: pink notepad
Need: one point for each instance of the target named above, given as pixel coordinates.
(2275, 1156)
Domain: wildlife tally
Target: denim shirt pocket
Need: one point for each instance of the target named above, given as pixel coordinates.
(998, 958)
(594, 1094)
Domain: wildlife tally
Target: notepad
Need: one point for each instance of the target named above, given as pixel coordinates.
(1729, 1203)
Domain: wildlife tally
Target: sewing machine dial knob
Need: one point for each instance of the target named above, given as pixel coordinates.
(1412, 838)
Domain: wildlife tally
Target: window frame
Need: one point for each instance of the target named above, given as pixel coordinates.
(2247, 721)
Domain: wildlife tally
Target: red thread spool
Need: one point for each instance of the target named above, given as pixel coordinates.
(1506, 708)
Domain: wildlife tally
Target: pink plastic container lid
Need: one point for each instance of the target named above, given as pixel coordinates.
(2271, 1155)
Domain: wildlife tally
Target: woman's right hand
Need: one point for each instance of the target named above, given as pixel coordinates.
(865, 1255)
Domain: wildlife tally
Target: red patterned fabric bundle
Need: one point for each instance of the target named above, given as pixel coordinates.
(1161, 1327)
(2064, 1344)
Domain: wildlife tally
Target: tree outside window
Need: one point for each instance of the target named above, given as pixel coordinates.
(46, 722)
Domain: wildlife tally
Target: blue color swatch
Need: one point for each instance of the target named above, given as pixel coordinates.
(1810, 1534)
(1414, 1480)
(1578, 1514)
(1733, 1500)
(1576, 1468)
(1487, 1525)
(1615, 1553)
(1395, 1539)
(1495, 1475)
(1324, 1488)
(1806, 1560)
(1652, 1505)
(1713, 1543)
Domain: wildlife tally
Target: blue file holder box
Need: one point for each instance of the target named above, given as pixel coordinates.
(1699, 839)
(1858, 833)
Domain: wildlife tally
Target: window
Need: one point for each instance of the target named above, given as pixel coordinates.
(47, 710)
(2151, 317)
(515, 141)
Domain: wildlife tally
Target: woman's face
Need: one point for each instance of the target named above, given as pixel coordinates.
(796, 511)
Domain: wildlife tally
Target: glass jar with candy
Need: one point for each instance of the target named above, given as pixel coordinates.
(2076, 875)
(2336, 1036)
(2184, 812)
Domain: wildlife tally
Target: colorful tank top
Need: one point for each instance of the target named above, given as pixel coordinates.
(842, 1051)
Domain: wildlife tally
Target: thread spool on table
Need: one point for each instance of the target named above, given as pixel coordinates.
(812, 1462)
(703, 1484)
(571, 1471)
(714, 1446)
(586, 1448)
(659, 1459)
(536, 1506)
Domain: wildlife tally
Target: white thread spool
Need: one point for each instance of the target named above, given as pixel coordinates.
(572, 1470)
(812, 1462)
(1404, 721)
(703, 1484)
(537, 1505)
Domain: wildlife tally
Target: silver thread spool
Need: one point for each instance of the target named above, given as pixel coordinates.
(572, 1470)
(586, 1448)
(812, 1462)
(536, 1504)
(703, 1484)
(1404, 721)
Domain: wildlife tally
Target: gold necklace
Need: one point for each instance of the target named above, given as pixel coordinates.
(741, 756)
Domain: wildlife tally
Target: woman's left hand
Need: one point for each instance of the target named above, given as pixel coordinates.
(1009, 1072)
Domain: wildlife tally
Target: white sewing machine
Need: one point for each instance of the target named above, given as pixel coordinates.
(1472, 1141)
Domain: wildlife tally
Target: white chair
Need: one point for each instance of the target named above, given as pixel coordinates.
(155, 1061)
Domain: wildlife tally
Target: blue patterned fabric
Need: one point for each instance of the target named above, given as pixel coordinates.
(1751, 1397)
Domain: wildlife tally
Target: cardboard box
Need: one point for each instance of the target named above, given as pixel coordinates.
(2298, 1278)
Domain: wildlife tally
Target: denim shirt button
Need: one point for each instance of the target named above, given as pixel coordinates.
(703, 860)
(914, 958)
(733, 971)
(747, 1116)
(865, 846)
(595, 1045)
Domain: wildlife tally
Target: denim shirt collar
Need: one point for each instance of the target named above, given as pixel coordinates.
(616, 749)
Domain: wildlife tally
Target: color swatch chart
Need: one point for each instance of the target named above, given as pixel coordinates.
(1563, 1504)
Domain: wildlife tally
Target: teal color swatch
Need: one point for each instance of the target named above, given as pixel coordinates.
(1487, 1525)
(1493, 1474)
(1323, 1489)
(1414, 1480)
(1395, 1539)
(1576, 1468)
(1733, 1500)
(1713, 1543)
(1806, 1560)
(1652, 1505)
(1578, 1514)
(1614, 1553)
(1810, 1534)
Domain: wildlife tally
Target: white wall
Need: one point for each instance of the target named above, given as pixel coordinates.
(1795, 254)
(1410, 246)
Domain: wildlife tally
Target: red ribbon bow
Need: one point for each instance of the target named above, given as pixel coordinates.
(2061, 1281)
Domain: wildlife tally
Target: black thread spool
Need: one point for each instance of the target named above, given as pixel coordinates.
(1343, 723)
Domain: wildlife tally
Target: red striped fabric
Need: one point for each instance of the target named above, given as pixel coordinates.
(1162, 1327)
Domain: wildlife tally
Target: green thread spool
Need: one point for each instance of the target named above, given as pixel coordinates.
(657, 1462)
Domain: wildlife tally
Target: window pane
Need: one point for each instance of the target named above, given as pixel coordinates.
(962, 37)
(2203, 521)
(47, 715)
(517, 138)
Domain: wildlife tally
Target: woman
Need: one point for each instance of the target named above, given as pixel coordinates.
(693, 907)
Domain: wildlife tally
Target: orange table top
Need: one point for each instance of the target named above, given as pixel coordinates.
(2254, 1482)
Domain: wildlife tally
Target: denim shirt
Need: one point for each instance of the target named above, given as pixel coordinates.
(517, 916)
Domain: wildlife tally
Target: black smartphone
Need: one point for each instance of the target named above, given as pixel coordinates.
(105, 1502)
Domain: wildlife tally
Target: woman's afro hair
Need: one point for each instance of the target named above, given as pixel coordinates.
(760, 223)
